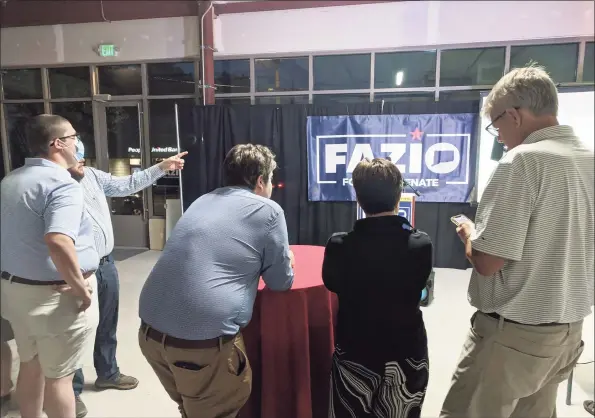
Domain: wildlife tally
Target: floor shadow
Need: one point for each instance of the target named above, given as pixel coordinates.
(122, 254)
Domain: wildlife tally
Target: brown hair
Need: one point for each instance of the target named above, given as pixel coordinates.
(244, 163)
(41, 130)
(378, 185)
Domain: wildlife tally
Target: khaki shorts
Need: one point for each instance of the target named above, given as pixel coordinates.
(48, 324)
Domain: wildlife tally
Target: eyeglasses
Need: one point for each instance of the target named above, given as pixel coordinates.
(76, 136)
(491, 129)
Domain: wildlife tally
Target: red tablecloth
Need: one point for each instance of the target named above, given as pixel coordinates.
(290, 342)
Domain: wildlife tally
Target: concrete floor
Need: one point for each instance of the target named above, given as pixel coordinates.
(447, 322)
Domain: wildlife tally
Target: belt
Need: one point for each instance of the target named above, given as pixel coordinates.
(497, 317)
(167, 340)
(16, 279)
(103, 260)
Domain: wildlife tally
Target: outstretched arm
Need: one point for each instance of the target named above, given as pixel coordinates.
(125, 186)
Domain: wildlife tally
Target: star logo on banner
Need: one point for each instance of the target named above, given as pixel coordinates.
(416, 135)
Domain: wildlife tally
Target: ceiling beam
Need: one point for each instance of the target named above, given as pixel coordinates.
(267, 6)
(16, 13)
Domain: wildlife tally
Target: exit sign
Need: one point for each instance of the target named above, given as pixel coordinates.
(107, 50)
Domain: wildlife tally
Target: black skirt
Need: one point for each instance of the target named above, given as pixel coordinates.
(362, 386)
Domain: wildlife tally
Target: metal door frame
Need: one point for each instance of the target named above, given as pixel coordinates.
(100, 108)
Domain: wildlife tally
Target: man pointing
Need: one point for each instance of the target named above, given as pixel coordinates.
(97, 185)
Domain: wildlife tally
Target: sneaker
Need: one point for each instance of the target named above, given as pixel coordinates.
(589, 407)
(121, 382)
(81, 408)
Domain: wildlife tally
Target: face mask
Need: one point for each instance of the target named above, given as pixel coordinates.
(79, 150)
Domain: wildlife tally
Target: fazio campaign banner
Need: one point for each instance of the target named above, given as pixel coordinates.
(433, 152)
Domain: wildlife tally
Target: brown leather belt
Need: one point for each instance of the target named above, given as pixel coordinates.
(170, 341)
(497, 317)
(16, 279)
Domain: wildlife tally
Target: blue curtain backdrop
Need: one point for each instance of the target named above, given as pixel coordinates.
(283, 128)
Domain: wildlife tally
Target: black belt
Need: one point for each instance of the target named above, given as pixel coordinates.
(497, 317)
(16, 279)
(103, 260)
(170, 341)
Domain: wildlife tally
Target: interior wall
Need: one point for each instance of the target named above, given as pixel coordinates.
(138, 40)
(403, 24)
(378, 26)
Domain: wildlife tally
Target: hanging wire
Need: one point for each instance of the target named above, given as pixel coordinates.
(103, 13)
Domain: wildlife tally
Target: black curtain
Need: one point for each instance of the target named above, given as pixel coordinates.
(283, 129)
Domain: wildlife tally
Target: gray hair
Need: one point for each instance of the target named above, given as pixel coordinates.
(529, 88)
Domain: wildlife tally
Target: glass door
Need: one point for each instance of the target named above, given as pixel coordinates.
(121, 128)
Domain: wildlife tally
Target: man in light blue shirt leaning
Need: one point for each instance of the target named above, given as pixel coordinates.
(201, 292)
(46, 240)
(97, 185)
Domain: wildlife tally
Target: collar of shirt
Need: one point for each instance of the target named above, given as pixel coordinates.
(558, 131)
(42, 162)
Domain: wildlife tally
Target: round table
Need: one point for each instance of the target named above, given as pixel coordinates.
(290, 342)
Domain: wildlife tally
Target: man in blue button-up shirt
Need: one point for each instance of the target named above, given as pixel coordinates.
(46, 240)
(201, 292)
(97, 185)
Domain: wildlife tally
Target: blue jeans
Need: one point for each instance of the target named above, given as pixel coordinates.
(104, 353)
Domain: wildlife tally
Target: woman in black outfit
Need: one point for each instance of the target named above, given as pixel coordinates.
(378, 270)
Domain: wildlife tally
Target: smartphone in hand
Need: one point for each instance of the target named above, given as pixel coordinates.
(458, 220)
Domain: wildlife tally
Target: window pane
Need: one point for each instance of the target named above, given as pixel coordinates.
(280, 100)
(404, 97)
(17, 115)
(342, 72)
(405, 69)
(1, 163)
(232, 76)
(80, 115)
(461, 95)
(328, 99)
(588, 73)
(123, 148)
(559, 60)
(281, 74)
(171, 78)
(22, 84)
(162, 134)
(120, 80)
(232, 100)
(471, 67)
(69, 82)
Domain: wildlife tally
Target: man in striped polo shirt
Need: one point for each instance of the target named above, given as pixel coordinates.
(532, 252)
(97, 185)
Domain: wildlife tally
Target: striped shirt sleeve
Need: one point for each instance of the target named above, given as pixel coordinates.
(126, 185)
(505, 210)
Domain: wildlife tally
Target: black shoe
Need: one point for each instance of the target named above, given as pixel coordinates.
(589, 407)
(81, 409)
